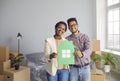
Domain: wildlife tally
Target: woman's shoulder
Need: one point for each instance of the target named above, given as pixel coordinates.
(49, 38)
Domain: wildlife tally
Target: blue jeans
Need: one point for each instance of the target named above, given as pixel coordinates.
(61, 75)
(80, 73)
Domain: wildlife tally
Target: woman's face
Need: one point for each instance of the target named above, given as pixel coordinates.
(60, 29)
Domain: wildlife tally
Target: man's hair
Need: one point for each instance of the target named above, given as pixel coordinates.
(61, 22)
(72, 19)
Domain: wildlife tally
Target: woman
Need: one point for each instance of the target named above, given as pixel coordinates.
(55, 71)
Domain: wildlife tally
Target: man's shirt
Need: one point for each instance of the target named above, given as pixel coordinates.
(83, 44)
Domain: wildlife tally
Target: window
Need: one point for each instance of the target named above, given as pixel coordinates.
(66, 53)
(113, 25)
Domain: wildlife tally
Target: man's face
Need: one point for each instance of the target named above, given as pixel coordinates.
(73, 26)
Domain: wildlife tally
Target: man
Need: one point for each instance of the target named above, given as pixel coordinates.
(81, 69)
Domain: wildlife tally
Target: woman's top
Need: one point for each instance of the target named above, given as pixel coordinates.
(50, 47)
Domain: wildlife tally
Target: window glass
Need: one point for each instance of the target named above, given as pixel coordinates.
(116, 14)
(110, 41)
(115, 1)
(112, 2)
(110, 28)
(116, 42)
(116, 27)
(113, 25)
(110, 15)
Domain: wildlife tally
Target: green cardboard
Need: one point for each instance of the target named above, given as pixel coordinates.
(66, 52)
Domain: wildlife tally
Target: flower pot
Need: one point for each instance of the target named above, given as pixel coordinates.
(97, 63)
(17, 67)
(107, 68)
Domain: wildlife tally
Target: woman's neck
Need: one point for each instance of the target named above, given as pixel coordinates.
(57, 37)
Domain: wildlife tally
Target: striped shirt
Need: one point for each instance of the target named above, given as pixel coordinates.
(82, 43)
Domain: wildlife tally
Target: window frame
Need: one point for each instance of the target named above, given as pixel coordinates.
(108, 8)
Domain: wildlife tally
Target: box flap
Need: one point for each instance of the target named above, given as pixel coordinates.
(96, 72)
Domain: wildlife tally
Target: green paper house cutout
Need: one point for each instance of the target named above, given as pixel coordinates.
(66, 52)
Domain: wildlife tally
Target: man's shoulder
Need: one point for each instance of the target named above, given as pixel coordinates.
(83, 34)
(67, 37)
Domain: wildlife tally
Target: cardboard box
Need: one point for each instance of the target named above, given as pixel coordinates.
(4, 65)
(4, 53)
(95, 45)
(23, 74)
(1, 77)
(97, 75)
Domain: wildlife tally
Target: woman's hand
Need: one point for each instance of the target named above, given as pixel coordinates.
(53, 55)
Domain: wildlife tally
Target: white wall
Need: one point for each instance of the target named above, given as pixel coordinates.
(35, 20)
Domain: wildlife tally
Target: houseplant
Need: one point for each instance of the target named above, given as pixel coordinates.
(110, 60)
(96, 58)
(16, 60)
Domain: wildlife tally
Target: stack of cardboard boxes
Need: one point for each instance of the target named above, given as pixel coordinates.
(96, 49)
(7, 73)
(4, 60)
(97, 74)
(23, 74)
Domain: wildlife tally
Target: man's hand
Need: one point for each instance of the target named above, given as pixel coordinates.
(78, 54)
(53, 55)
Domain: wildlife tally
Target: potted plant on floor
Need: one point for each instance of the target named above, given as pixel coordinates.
(110, 60)
(96, 58)
(17, 60)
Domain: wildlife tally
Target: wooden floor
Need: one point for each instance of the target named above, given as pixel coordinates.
(113, 76)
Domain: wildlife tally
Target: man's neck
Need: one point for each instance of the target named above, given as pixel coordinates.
(75, 33)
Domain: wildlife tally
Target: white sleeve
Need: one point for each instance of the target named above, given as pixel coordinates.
(47, 50)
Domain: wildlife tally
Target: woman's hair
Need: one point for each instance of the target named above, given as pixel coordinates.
(61, 22)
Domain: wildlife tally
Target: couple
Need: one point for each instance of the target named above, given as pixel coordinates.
(81, 69)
